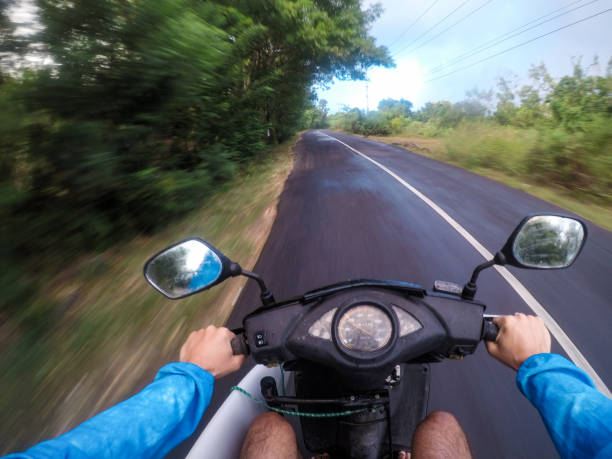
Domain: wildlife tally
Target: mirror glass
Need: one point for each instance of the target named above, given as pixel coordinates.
(548, 241)
(184, 269)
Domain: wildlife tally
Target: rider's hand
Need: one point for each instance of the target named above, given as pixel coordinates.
(519, 338)
(210, 348)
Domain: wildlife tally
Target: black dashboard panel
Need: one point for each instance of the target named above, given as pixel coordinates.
(450, 327)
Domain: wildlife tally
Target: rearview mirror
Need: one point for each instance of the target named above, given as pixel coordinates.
(188, 267)
(545, 242)
(538, 242)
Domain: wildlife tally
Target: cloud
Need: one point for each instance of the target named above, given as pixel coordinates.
(403, 82)
(414, 68)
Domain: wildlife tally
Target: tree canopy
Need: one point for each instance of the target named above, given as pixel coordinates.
(146, 105)
(145, 108)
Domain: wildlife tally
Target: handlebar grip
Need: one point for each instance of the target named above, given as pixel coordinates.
(239, 345)
(489, 330)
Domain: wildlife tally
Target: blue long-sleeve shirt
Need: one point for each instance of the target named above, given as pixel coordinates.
(577, 416)
(149, 424)
(166, 412)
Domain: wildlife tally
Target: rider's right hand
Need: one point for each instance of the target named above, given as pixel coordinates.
(210, 348)
(520, 336)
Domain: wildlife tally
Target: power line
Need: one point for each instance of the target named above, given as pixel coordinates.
(518, 46)
(501, 38)
(498, 41)
(451, 26)
(430, 29)
(415, 21)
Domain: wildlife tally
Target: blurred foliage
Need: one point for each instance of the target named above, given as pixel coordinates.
(480, 144)
(315, 117)
(109, 332)
(556, 132)
(117, 118)
(145, 108)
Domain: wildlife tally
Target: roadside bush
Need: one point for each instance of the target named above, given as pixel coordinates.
(358, 122)
(579, 161)
(374, 125)
(425, 129)
(398, 124)
(495, 147)
(559, 132)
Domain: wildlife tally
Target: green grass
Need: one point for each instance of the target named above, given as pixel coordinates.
(111, 332)
(494, 147)
(598, 214)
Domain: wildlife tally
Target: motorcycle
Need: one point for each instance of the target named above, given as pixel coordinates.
(354, 356)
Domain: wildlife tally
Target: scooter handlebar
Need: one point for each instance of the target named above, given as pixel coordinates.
(489, 330)
(239, 345)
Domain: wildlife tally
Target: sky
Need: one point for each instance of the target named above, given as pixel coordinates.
(420, 46)
(24, 14)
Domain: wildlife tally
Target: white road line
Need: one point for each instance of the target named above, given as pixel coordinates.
(570, 348)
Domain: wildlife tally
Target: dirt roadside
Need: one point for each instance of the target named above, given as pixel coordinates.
(113, 331)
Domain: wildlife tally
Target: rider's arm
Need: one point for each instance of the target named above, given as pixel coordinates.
(162, 415)
(576, 415)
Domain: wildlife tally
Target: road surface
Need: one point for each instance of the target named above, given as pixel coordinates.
(340, 216)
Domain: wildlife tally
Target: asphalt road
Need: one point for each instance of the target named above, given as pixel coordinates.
(342, 217)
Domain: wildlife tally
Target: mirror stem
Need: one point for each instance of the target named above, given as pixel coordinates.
(267, 299)
(469, 289)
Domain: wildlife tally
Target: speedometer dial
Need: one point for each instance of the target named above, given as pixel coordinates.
(364, 328)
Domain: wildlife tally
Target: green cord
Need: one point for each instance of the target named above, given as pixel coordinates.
(298, 413)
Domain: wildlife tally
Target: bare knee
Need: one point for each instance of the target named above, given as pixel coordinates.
(440, 436)
(270, 436)
(271, 421)
(443, 420)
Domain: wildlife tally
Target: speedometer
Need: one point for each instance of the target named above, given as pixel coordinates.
(364, 328)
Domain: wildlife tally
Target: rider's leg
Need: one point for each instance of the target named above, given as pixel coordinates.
(270, 437)
(440, 436)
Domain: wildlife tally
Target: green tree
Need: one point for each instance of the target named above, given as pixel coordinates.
(315, 117)
(149, 106)
(443, 114)
(576, 99)
(393, 108)
(506, 109)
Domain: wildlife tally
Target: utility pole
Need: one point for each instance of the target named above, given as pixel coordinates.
(367, 99)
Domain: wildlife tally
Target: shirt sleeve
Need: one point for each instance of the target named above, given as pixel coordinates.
(577, 416)
(149, 424)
